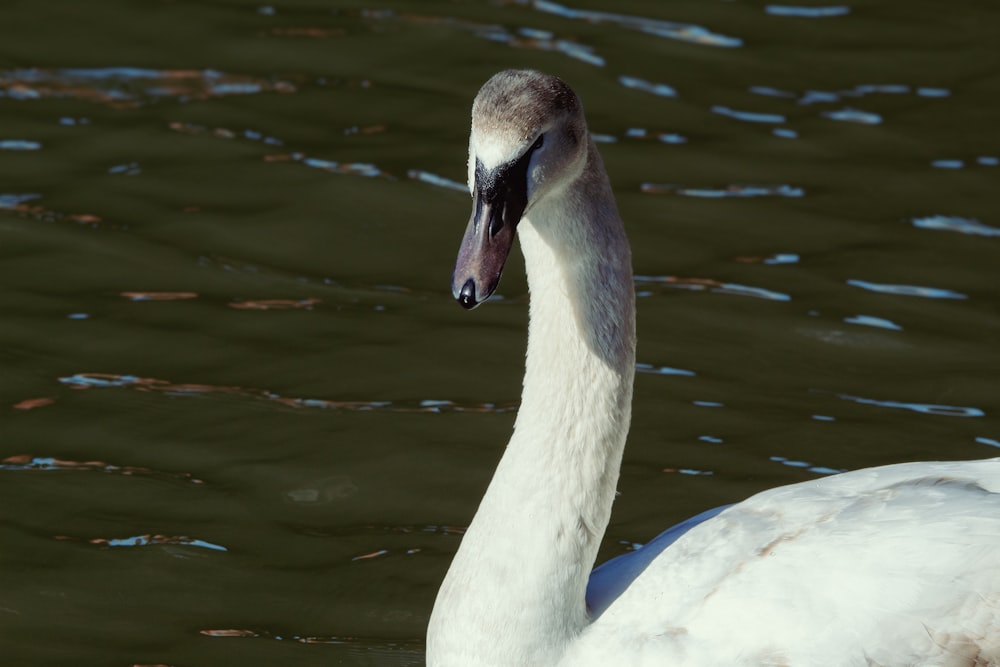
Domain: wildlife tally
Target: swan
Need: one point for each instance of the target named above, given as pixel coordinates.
(890, 566)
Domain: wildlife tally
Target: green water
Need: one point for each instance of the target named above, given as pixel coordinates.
(243, 421)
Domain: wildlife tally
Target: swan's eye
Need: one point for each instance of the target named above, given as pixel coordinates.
(538, 142)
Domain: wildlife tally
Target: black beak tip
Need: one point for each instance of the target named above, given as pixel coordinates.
(467, 295)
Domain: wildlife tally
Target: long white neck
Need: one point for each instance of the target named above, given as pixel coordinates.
(515, 592)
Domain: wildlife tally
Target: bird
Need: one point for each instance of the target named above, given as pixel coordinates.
(889, 566)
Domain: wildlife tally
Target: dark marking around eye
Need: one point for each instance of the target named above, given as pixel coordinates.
(538, 142)
(573, 134)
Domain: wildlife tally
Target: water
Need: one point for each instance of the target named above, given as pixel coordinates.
(244, 421)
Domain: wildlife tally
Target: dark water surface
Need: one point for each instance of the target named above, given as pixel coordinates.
(243, 421)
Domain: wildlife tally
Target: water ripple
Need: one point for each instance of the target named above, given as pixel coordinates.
(862, 90)
(523, 38)
(131, 86)
(924, 408)
(33, 403)
(19, 145)
(954, 223)
(870, 321)
(357, 168)
(847, 114)
(822, 470)
(127, 169)
(224, 133)
(948, 163)
(661, 89)
(18, 204)
(13, 201)
(276, 304)
(807, 12)
(732, 190)
(397, 646)
(684, 32)
(365, 169)
(689, 471)
(159, 296)
(907, 290)
(854, 116)
(27, 462)
(643, 133)
(662, 370)
(136, 383)
(748, 116)
(703, 284)
(782, 258)
(747, 290)
(434, 179)
(146, 541)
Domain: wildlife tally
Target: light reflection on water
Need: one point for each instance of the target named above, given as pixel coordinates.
(907, 290)
(145, 384)
(923, 408)
(644, 283)
(953, 223)
(123, 87)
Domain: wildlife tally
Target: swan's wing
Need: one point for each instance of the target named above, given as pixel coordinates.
(610, 578)
(887, 566)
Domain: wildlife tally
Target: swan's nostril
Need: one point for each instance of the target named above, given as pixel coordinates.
(467, 297)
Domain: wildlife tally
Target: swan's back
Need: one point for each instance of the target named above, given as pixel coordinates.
(898, 565)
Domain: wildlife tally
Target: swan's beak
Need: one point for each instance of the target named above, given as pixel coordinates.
(499, 201)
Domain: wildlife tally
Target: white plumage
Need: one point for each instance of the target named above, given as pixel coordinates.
(890, 566)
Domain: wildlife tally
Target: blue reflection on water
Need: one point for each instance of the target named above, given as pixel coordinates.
(434, 179)
(771, 92)
(954, 223)
(148, 540)
(933, 92)
(662, 370)
(822, 470)
(685, 32)
(871, 321)
(907, 290)
(747, 290)
(661, 89)
(699, 285)
(87, 380)
(807, 12)
(854, 116)
(925, 408)
(130, 85)
(19, 145)
(748, 116)
(733, 190)
(14, 200)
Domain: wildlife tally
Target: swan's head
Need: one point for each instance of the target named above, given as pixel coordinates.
(528, 139)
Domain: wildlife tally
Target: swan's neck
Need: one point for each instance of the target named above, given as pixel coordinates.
(515, 591)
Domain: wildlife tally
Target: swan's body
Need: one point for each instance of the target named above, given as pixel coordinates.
(897, 565)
